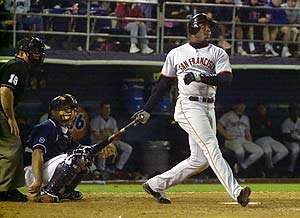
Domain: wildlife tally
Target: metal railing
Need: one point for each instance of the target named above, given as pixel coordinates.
(160, 34)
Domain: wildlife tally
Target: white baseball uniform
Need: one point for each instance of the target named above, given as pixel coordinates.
(197, 118)
(292, 128)
(237, 126)
(48, 169)
(109, 127)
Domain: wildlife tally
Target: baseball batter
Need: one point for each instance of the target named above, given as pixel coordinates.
(199, 68)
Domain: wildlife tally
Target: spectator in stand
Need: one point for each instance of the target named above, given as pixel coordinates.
(148, 11)
(278, 16)
(79, 24)
(234, 126)
(175, 28)
(136, 28)
(223, 14)
(291, 135)
(256, 16)
(102, 126)
(261, 127)
(28, 22)
(293, 18)
(23, 21)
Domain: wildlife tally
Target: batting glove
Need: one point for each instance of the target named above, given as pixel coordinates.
(191, 76)
(142, 115)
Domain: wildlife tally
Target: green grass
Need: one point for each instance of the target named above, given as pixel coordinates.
(189, 188)
(126, 188)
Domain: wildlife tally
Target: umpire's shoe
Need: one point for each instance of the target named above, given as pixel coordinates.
(243, 198)
(160, 197)
(13, 195)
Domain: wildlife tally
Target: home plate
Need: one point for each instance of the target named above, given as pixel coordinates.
(235, 203)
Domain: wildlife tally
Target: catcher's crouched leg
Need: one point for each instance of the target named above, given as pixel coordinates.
(63, 175)
(70, 193)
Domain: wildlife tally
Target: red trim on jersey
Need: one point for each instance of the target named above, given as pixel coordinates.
(171, 77)
(205, 146)
(224, 72)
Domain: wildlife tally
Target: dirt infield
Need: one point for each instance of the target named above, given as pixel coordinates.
(187, 204)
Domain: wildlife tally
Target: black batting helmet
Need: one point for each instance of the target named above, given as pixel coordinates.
(197, 20)
(34, 47)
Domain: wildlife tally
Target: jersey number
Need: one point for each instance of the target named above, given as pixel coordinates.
(13, 79)
(80, 122)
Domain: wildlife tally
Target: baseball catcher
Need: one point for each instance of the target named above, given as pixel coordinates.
(59, 163)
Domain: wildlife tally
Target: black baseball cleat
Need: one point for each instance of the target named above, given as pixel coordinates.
(73, 195)
(243, 198)
(13, 195)
(161, 198)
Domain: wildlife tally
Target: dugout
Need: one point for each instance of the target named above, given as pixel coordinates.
(93, 77)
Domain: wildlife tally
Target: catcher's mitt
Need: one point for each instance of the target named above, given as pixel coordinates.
(109, 151)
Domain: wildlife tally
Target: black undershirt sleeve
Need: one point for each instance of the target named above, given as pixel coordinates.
(220, 79)
(164, 84)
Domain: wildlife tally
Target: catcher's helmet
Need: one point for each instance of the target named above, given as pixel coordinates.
(34, 47)
(197, 20)
(63, 108)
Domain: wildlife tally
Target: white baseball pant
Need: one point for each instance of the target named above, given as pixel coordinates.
(48, 170)
(198, 120)
(274, 151)
(294, 147)
(239, 146)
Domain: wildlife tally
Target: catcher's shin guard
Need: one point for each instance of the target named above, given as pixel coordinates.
(63, 174)
(76, 181)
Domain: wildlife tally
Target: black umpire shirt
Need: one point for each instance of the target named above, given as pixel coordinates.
(15, 75)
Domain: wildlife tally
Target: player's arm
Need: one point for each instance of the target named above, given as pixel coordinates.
(41, 140)
(7, 102)
(164, 84)
(248, 135)
(290, 137)
(223, 132)
(37, 169)
(221, 129)
(95, 131)
(223, 78)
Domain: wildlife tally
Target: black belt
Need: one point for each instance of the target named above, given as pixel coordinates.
(202, 99)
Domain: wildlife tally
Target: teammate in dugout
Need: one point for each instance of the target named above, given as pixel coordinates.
(58, 162)
(14, 77)
(200, 68)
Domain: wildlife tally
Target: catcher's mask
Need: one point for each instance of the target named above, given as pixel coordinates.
(64, 109)
(34, 48)
(198, 19)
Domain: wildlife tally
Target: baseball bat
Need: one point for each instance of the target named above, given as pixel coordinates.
(122, 130)
(97, 147)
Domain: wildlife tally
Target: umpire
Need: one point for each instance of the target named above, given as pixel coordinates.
(14, 76)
